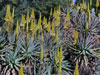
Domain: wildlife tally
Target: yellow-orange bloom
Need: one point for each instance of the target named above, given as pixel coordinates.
(57, 20)
(65, 26)
(75, 33)
(72, 3)
(32, 14)
(58, 10)
(60, 69)
(17, 28)
(77, 7)
(41, 53)
(21, 69)
(84, 4)
(39, 24)
(27, 17)
(52, 30)
(51, 12)
(89, 17)
(57, 37)
(12, 17)
(13, 12)
(90, 3)
(8, 13)
(76, 71)
(22, 24)
(60, 54)
(32, 25)
(97, 3)
(22, 20)
(88, 8)
(87, 26)
(45, 22)
(55, 13)
(67, 16)
(55, 58)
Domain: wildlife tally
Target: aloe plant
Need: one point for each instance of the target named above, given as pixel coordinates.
(50, 46)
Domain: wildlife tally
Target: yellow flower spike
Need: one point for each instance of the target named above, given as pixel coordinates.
(59, 11)
(13, 73)
(75, 33)
(45, 22)
(97, 3)
(60, 69)
(13, 12)
(85, 5)
(55, 59)
(90, 3)
(77, 7)
(8, 13)
(32, 14)
(22, 19)
(27, 17)
(89, 17)
(85, 61)
(57, 37)
(81, 8)
(34, 32)
(88, 9)
(27, 30)
(67, 16)
(60, 54)
(31, 26)
(12, 17)
(17, 28)
(76, 71)
(39, 23)
(51, 12)
(52, 30)
(65, 26)
(35, 28)
(42, 37)
(21, 69)
(54, 14)
(87, 29)
(48, 26)
(57, 21)
(88, 13)
(41, 53)
(87, 26)
(0, 29)
(22, 24)
(97, 40)
(72, 3)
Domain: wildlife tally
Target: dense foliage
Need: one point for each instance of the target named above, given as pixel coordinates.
(64, 40)
(43, 6)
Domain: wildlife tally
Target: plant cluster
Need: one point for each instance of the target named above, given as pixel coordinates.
(51, 46)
